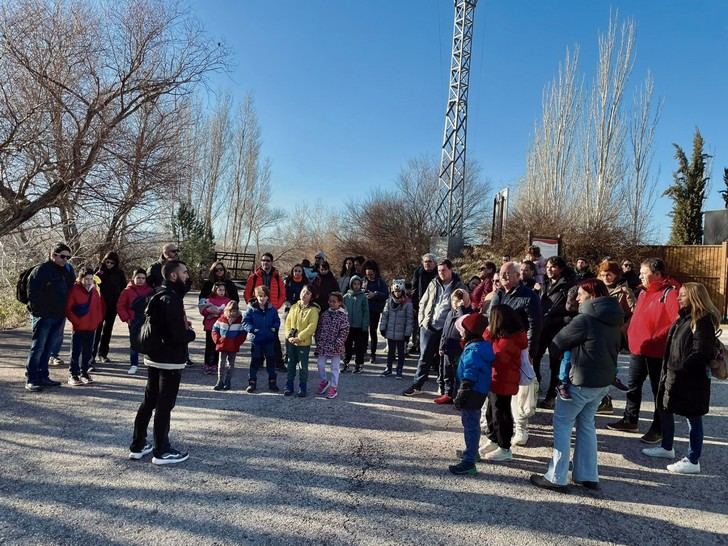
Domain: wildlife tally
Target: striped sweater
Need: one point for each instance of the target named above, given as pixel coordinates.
(228, 337)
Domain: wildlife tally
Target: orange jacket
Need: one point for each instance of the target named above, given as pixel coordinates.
(507, 365)
(277, 290)
(96, 308)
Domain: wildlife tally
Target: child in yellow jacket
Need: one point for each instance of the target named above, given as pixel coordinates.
(301, 325)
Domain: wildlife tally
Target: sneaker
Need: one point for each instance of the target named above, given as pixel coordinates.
(288, 392)
(652, 437)
(250, 389)
(605, 406)
(623, 426)
(460, 452)
(48, 382)
(520, 437)
(659, 452)
(357, 369)
(499, 454)
(594, 486)
(331, 393)
(103, 359)
(399, 376)
(138, 455)
(386, 373)
(562, 390)
(171, 457)
(133, 370)
(301, 394)
(547, 403)
(91, 368)
(74, 381)
(343, 368)
(323, 386)
(33, 387)
(373, 359)
(86, 378)
(411, 391)
(444, 399)
(55, 361)
(543, 483)
(463, 468)
(218, 386)
(273, 386)
(619, 385)
(684, 466)
(489, 447)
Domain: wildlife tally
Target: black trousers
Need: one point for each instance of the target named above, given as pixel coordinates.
(396, 348)
(641, 367)
(356, 341)
(160, 397)
(415, 330)
(500, 419)
(103, 332)
(547, 336)
(373, 329)
(211, 357)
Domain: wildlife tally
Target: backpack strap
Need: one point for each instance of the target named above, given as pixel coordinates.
(665, 293)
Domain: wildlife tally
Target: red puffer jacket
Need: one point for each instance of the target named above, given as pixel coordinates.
(507, 365)
(96, 310)
(128, 296)
(277, 290)
(653, 316)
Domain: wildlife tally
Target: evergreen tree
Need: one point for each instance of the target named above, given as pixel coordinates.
(688, 194)
(724, 193)
(195, 240)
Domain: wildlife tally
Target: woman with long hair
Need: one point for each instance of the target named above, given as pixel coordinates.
(218, 273)
(684, 382)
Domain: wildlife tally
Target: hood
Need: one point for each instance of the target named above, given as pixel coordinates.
(605, 309)
(355, 278)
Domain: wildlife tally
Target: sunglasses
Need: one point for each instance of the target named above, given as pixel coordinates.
(64, 256)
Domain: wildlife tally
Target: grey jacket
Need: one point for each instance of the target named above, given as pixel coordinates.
(397, 320)
(435, 302)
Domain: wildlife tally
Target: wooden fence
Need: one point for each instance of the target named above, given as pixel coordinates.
(706, 264)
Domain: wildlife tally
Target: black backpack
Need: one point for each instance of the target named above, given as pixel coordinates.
(21, 287)
(150, 332)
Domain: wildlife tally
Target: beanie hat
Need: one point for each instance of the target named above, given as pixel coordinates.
(355, 278)
(610, 267)
(320, 254)
(475, 323)
(398, 283)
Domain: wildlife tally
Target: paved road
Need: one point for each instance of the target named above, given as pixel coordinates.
(369, 467)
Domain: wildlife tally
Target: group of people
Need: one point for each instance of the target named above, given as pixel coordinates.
(484, 340)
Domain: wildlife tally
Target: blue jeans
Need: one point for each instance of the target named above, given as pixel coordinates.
(471, 430)
(580, 411)
(429, 357)
(257, 354)
(82, 345)
(696, 434)
(58, 342)
(45, 333)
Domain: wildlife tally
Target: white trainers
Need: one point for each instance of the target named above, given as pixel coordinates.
(499, 454)
(660, 452)
(132, 370)
(138, 455)
(487, 448)
(684, 466)
(54, 361)
(520, 437)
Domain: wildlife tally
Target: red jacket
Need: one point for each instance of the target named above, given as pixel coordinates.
(128, 296)
(655, 312)
(228, 337)
(277, 290)
(96, 311)
(485, 287)
(507, 365)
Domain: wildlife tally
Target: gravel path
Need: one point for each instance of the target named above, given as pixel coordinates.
(369, 467)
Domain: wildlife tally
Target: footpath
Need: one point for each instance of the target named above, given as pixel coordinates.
(369, 467)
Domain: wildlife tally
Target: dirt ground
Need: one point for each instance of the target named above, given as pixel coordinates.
(369, 467)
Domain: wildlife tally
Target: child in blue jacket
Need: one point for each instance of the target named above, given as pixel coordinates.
(474, 373)
(261, 321)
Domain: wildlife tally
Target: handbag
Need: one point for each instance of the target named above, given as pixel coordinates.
(82, 309)
(718, 364)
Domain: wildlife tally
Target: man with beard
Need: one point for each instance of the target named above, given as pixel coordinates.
(166, 343)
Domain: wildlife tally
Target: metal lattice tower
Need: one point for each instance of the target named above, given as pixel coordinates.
(452, 162)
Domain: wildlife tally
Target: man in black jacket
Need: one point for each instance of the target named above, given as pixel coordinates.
(48, 288)
(154, 273)
(420, 281)
(167, 340)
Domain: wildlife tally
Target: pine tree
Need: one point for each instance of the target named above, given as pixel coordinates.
(724, 193)
(688, 194)
(195, 240)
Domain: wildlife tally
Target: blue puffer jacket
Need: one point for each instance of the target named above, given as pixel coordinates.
(476, 365)
(262, 324)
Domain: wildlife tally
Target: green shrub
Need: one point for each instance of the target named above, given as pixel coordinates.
(12, 312)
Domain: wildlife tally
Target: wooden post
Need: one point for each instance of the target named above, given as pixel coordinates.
(724, 278)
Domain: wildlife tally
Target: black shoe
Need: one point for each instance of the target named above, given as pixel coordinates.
(219, 386)
(301, 394)
(139, 455)
(273, 386)
(594, 486)
(250, 388)
(48, 382)
(373, 359)
(387, 372)
(605, 406)
(288, 392)
(463, 468)
(652, 437)
(411, 391)
(357, 369)
(547, 403)
(344, 367)
(189, 363)
(33, 387)
(623, 426)
(543, 483)
(171, 457)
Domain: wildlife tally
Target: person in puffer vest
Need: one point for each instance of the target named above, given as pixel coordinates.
(396, 325)
(228, 335)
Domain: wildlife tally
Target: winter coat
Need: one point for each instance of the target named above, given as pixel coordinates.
(96, 308)
(154, 273)
(129, 295)
(48, 288)
(113, 282)
(293, 289)
(207, 308)
(228, 336)
(167, 313)
(685, 382)
(231, 291)
(357, 308)
(553, 301)
(450, 338)
(379, 288)
(322, 286)
(420, 281)
(331, 332)
(344, 283)
(507, 364)
(277, 290)
(653, 316)
(527, 303)
(262, 324)
(624, 295)
(397, 320)
(476, 365)
(593, 337)
(480, 291)
(303, 319)
(435, 303)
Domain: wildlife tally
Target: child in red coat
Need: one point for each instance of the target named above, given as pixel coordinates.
(507, 333)
(130, 308)
(85, 310)
(211, 309)
(228, 335)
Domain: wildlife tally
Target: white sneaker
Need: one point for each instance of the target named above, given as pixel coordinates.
(520, 438)
(487, 448)
(499, 454)
(684, 466)
(53, 361)
(132, 370)
(660, 452)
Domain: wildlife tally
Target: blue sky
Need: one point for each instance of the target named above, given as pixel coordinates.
(348, 91)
